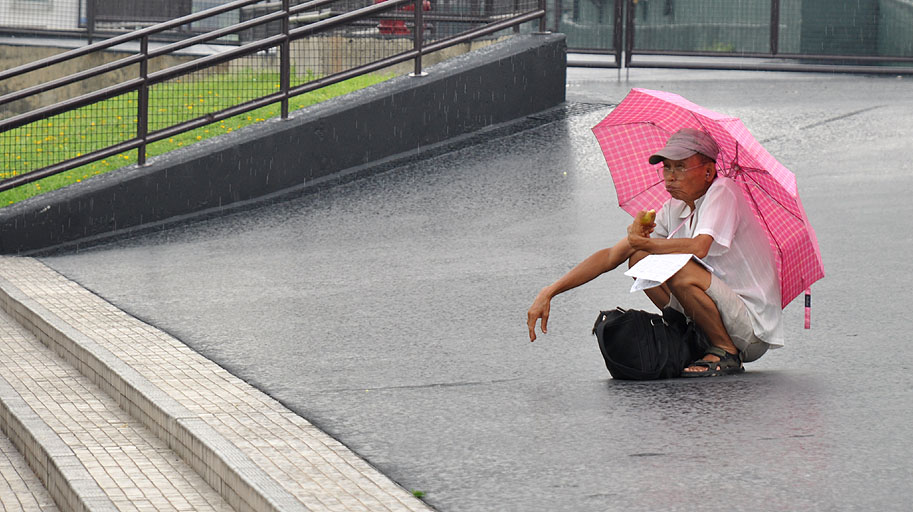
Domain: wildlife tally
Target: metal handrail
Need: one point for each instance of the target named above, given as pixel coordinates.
(141, 84)
(126, 38)
(67, 80)
(70, 104)
(342, 19)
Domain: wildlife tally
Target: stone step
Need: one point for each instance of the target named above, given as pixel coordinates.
(252, 450)
(87, 451)
(20, 488)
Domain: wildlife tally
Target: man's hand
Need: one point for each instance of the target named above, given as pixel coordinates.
(539, 309)
(639, 230)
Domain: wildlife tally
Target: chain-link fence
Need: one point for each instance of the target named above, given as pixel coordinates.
(82, 112)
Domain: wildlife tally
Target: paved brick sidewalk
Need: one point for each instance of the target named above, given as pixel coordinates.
(20, 489)
(313, 467)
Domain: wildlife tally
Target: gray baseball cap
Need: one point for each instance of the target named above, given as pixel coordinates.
(685, 143)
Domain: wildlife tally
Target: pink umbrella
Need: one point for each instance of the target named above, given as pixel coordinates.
(640, 126)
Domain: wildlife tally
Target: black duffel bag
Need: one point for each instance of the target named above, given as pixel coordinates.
(638, 345)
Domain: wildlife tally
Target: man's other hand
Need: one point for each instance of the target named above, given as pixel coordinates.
(539, 309)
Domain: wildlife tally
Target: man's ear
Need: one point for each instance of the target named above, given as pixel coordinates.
(711, 172)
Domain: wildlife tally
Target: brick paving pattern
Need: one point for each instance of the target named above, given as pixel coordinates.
(312, 466)
(133, 467)
(20, 489)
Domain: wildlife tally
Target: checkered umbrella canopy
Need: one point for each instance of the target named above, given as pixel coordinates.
(640, 125)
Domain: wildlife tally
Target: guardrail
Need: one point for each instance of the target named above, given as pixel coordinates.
(383, 27)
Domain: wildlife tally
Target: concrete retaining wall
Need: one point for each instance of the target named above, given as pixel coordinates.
(343, 136)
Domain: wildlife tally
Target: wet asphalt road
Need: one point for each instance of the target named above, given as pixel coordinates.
(390, 311)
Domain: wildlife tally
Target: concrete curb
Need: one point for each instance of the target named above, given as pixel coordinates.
(63, 475)
(222, 465)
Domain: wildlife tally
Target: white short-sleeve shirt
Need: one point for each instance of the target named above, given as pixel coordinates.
(740, 254)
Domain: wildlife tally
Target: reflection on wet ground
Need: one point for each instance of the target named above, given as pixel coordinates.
(391, 310)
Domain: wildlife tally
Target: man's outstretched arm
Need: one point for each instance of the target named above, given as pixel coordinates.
(595, 265)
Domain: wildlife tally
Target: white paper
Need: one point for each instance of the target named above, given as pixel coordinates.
(655, 269)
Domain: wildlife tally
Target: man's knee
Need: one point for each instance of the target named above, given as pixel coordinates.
(691, 278)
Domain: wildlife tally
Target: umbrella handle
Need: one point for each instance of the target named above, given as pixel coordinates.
(808, 308)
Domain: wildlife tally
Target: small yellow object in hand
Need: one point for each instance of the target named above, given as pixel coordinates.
(648, 217)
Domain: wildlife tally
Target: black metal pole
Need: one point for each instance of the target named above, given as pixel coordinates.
(542, 7)
(618, 31)
(142, 103)
(285, 60)
(90, 19)
(559, 9)
(629, 32)
(516, 8)
(774, 26)
(418, 36)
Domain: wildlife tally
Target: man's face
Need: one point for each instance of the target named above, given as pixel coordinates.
(687, 179)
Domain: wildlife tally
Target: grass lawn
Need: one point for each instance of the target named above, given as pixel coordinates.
(109, 122)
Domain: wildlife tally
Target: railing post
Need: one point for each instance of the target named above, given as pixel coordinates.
(142, 102)
(774, 26)
(285, 60)
(418, 36)
(542, 28)
(618, 30)
(516, 9)
(629, 32)
(559, 7)
(90, 19)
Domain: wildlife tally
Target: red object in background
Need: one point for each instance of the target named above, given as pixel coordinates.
(398, 27)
